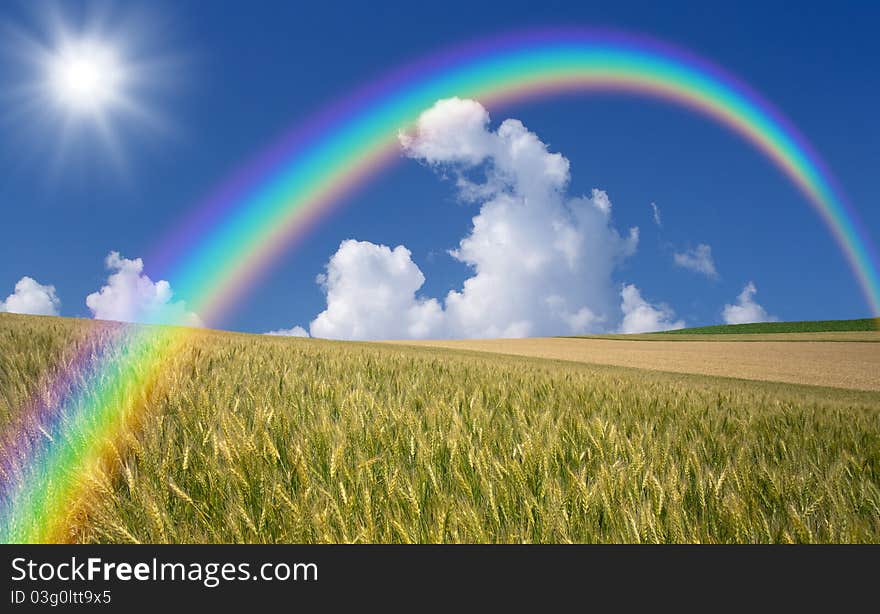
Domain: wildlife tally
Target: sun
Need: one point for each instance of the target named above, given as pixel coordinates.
(86, 77)
(87, 84)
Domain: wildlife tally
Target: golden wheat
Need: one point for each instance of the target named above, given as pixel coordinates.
(260, 439)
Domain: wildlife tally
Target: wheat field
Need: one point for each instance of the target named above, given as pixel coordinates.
(261, 439)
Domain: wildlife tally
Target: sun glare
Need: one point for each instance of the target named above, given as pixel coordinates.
(86, 77)
(88, 80)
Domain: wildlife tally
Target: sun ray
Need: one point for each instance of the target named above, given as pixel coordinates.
(86, 83)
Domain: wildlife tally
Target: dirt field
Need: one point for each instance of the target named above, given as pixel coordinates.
(841, 364)
(856, 335)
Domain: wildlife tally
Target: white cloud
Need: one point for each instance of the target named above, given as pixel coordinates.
(32, 298)
(640, 316)
(656, 211)
(453, 130)
(371, 294)
(746, 310)
(541, 261)
(131, 296)
(296, 331)
(698, 259)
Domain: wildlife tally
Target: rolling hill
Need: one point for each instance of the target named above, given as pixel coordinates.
(249, 438)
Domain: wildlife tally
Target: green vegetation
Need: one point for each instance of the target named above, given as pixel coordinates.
(262, 439)
(817, 326)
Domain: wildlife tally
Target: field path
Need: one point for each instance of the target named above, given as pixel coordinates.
(842, 364)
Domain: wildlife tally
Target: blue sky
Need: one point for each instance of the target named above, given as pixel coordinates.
(240, 73)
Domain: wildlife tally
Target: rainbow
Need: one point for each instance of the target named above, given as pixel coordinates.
(232, 238)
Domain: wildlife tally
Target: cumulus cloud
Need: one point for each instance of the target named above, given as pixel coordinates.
(656, 212)
(32, 298)
(131, 296)
(296, 331)
(453, 130)
(698, 259)
(371, 294)
(746, 310)
(541, 261)
(640, 316)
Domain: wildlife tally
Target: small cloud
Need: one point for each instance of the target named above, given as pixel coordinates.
(656, 211)
(296, 331)
(33, 298)
(698, 260)
(640, 316)
(601, 201)
(131, 296)
(453, 130)
(746, 310)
